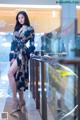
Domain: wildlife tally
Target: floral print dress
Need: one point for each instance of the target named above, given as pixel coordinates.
(22, 54)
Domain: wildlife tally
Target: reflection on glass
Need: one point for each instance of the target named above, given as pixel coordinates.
(52, 43)
(62, 92)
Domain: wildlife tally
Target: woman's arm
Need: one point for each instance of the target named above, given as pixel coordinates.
(27, 38)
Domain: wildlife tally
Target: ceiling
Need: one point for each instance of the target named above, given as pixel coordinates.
(32, 2)
(43, 20)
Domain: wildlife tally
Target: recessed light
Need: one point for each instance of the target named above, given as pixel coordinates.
(53, 13)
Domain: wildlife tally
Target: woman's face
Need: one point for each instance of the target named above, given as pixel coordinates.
(21, 19)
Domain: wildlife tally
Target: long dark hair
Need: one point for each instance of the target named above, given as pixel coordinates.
(18, 25)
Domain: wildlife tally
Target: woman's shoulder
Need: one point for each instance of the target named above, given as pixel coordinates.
(28, 28)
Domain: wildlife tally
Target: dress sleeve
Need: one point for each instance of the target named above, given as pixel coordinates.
(13, 47)
(29, 34)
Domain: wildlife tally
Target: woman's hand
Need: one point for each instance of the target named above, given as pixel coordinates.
(16, 34)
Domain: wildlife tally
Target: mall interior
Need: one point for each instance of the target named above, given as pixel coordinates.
(54, 68)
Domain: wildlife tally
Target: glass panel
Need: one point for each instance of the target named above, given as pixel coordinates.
(62, 92)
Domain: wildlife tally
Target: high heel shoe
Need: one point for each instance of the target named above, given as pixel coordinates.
(14, 112)
(15, 108)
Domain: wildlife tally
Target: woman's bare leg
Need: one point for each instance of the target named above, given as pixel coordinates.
(21, 98)
(12, 82)
(21, 94)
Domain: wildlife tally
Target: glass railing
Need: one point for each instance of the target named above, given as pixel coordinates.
(54, 88)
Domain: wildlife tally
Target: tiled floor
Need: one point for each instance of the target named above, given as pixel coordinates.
(33, 114)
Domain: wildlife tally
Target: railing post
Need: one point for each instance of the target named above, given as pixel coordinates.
(44, 98)
(32, 77)
(37, 85)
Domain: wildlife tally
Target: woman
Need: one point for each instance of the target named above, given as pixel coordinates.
(19, 55)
